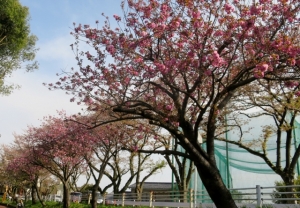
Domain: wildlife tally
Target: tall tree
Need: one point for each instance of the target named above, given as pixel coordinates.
(182, 168)
(59, 147)
(17, 45)
(280, 103)
(24, 171)
(103, 149)
(140, 165)
(178, 64)
(18, 174)
(116, 155)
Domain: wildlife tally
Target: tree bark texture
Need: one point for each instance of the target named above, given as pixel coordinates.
(215, 187)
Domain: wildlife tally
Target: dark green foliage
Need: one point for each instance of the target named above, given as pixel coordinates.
(17, 45)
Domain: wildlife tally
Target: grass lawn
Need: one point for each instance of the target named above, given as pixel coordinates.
(50, 204)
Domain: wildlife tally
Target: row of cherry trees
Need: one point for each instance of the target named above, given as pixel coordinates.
(180, 64)
(65, 148)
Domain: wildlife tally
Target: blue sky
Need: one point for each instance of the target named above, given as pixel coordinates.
(51, 21)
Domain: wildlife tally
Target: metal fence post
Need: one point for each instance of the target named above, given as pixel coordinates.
(258, 196)
(123, 199)
(191, 198)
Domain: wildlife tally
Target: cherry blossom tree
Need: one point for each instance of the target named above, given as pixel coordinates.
(21, 169)
(143, 163)
(34, 177)
(19, 174)
(59, 147)
(137, 161)
(102, 151)
(116, 156)
(178, 63)
(83, 174)
(5, 179)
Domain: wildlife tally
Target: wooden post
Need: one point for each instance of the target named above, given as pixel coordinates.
(89, 199)
(191, 198)
(150, 199)
(104, 197)
(123, 199)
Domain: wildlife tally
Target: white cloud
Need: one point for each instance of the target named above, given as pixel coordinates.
(28, 105)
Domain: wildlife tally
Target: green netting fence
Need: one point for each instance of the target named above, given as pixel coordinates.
(230, 156)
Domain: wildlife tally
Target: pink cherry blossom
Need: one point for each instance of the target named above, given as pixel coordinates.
(216, 59)
(196, 14)
(297, 93)
(255, 10)
(228, 8)
(111, 49)
(118, 18)
(262, 67)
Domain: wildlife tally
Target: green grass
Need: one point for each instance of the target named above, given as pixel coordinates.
(50, 204)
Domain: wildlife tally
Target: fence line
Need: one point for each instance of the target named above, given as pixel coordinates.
(251, 197)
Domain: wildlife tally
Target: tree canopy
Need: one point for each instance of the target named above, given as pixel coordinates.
(179, 63)
(17, 45)
(59, 147)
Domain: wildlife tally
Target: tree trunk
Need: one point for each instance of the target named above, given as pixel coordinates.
(97, 180)
(289, 181)
(139, 191)
(214, 185)
(39, 196)
(182, 189)
(181, 174)
(94, 194)
(66, 198)
(33, 194)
